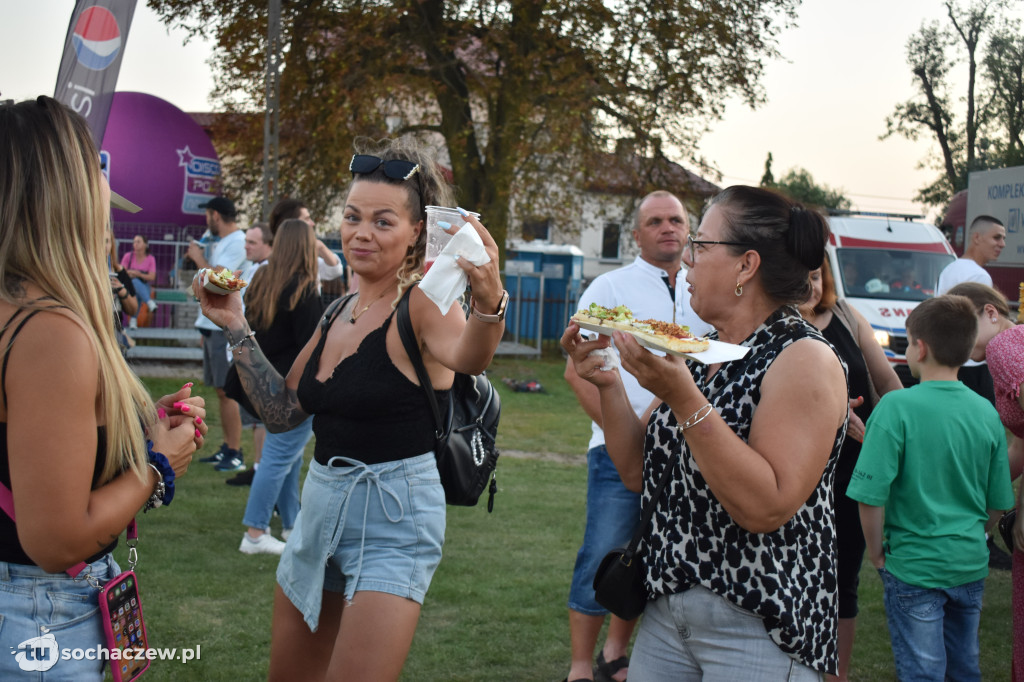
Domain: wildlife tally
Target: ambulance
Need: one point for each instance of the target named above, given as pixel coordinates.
(884, 265)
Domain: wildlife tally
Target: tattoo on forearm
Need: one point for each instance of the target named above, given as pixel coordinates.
(277, 404)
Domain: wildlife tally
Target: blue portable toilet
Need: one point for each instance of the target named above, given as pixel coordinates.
(561, 266)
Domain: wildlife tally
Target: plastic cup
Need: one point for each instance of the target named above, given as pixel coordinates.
(437, 238)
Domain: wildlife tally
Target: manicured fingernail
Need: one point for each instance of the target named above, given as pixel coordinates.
(188, 385)
(198, 435)
(443, 224)
(185, 408)
(199, 420)
(161, 413)
(462, 211)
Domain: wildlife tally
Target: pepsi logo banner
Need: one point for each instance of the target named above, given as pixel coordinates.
(92, 57)
(96, 38)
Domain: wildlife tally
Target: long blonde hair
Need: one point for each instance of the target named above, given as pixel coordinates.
(52, 224)
(293, 259)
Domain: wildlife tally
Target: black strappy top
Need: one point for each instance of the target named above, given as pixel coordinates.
(367, 410)
(11, 550)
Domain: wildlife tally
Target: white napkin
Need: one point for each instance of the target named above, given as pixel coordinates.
(446, 281)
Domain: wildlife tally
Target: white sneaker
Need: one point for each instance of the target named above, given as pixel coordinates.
(285, 532)
(133, 323)
(265, 544)
(151, 304)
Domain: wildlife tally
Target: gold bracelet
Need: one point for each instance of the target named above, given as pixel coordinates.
(696, 418)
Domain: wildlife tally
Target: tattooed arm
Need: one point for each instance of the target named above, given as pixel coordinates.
(276, 401)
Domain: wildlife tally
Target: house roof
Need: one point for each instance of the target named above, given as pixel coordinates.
(627, 173)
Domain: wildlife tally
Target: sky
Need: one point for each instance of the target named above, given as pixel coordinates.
(843, 70)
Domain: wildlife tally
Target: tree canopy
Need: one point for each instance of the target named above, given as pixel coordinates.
(520, 94)
(980, 128)
(800, 185)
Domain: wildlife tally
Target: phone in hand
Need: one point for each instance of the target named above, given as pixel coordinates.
(125, 627)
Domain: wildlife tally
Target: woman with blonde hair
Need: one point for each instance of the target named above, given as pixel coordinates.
(74, 462)
(368, 539)
(282, 305)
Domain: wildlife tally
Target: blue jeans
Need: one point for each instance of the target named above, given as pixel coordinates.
(697, 635)
(613, 513)
(277, 478)
(934, 631)
(31, 599)
(141, 289)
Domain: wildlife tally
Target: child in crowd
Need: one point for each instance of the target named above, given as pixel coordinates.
(920, 462)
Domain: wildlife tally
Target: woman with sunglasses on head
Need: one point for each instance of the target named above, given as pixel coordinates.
(739, 555)
(870, 377)
(368, 537)
(74, 463)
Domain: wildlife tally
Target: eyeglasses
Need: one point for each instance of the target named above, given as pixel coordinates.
(396, 169)
(691, 242)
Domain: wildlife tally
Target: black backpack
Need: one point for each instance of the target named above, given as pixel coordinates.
(465, 449)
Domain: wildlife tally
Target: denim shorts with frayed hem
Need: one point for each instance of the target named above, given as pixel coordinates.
(31, 601)
(377, 527)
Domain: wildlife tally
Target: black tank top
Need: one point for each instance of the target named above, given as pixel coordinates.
(367, 410)
(11, 550)
(839, 336)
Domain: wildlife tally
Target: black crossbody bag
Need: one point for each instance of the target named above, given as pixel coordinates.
(465, 437)
(619, 583)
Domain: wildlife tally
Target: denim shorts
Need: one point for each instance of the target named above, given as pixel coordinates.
(613, 514)
(376, 527)
(42, 614)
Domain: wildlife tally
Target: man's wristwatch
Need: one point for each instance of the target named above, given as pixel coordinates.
(495, 318)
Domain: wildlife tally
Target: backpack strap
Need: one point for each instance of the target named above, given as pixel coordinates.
(405, 331)
(333, 310)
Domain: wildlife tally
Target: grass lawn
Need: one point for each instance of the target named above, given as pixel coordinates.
(496, 608)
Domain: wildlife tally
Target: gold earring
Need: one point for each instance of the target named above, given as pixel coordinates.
(739, 289)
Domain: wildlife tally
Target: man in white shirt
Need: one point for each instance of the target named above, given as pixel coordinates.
(228, 252)
(986, 239)
(653, 287)
(257, 249)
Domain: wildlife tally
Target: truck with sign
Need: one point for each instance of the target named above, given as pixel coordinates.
(1000, 194)
(884, 265)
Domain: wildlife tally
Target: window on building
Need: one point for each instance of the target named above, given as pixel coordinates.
(536, 230)
(610, 240)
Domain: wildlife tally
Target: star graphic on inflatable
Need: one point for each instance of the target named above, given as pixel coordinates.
(185, 156)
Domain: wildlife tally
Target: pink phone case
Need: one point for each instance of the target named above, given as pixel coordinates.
(124, 626)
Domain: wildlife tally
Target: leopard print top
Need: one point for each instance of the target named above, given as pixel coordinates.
(788, 576)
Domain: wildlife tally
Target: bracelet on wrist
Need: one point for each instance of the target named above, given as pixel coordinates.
(159, 462)
(159, 491)
(696, 418)
(237, 345)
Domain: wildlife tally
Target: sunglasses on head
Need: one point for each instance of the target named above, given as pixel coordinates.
(396, 169)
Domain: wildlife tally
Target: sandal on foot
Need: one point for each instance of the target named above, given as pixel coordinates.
(605, 671)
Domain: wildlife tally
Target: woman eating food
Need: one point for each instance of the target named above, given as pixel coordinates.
(739, 556)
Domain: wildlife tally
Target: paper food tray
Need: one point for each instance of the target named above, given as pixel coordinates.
(718, 351)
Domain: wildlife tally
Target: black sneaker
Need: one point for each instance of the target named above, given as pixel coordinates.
(231, 461)
(997, 558)
(216, 457)
(244, 478)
